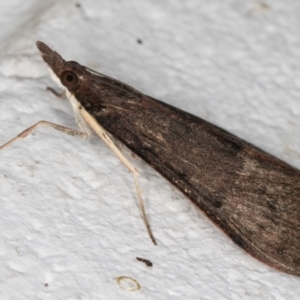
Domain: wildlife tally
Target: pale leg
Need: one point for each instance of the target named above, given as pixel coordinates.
(100, 131)
(86, 134)
(60, 128)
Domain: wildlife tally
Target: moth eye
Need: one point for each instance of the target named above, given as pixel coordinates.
(69, 79)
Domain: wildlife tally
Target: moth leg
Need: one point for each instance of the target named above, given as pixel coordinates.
(66, 130)
(100, 131)
(109, 142)
(142, 206)
(57, 94)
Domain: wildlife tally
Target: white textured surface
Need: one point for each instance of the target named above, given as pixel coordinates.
(69, 222)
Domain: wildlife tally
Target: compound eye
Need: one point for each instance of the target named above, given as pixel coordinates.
(69, 79)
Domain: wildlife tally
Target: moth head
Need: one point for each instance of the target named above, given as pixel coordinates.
(65, 73)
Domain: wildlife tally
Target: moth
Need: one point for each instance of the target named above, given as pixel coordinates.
(251, 195)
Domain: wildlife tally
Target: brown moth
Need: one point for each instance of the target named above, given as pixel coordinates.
(252, 196)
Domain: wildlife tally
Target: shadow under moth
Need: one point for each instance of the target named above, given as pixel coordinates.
(252, 196)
